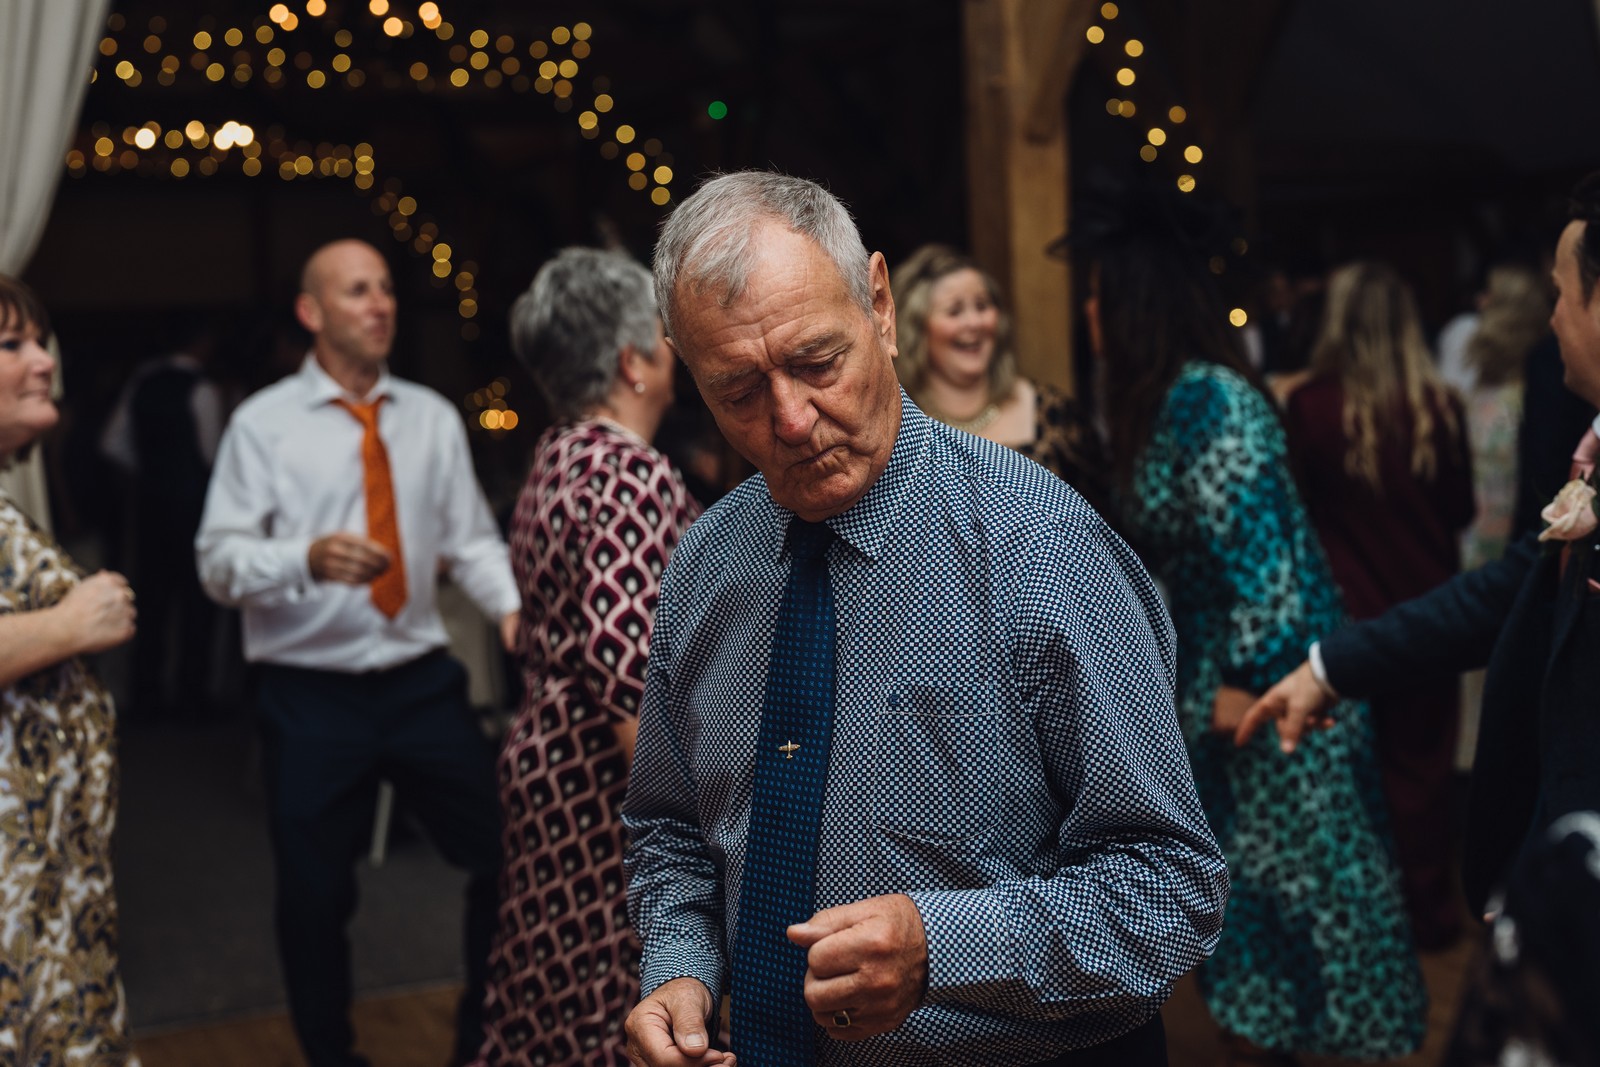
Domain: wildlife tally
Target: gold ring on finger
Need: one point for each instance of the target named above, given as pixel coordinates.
(841, 1018)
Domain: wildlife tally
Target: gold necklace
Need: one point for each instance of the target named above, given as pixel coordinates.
(976, 424)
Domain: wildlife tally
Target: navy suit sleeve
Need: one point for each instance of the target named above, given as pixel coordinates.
(1446, 631)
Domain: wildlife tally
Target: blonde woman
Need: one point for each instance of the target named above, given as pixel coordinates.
(957, 363)
(1381, 443)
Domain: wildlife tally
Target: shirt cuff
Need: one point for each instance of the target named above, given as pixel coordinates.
(1319, 672)
(968, 942)
(684, 961)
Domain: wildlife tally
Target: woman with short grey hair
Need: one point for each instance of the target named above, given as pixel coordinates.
(600, 513)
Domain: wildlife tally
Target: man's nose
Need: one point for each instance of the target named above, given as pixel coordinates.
(793, 415)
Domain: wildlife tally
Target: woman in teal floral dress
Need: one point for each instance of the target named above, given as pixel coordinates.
(1315, 955)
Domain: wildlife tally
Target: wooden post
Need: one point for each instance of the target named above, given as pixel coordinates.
(1020, 59)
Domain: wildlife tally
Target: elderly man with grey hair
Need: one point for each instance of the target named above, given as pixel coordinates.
(909, 784)
(597, 519)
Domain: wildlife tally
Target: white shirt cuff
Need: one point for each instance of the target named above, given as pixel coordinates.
(1319, 672)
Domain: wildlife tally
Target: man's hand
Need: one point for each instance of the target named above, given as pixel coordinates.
(866, 963)
(98, 611)
(1297, 702)
(348, 558)
(511, 632)
(668, 1028)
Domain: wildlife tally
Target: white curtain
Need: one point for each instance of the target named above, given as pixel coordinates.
(47, 49)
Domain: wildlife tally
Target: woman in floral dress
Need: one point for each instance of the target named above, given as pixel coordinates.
(1315, 955)
(60, 997)
(597, 519)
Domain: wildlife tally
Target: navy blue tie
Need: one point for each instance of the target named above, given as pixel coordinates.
(772, 1027)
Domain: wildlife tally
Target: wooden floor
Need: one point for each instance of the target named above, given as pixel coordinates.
(414, 1029)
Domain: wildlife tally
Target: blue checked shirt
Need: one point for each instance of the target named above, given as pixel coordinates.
(1005, 751)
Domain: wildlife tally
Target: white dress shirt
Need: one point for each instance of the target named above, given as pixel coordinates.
(289, 471)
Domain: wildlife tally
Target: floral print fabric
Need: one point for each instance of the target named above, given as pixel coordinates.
(1315, 955)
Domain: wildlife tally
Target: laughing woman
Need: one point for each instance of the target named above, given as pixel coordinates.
(60, 997)
(956, 362)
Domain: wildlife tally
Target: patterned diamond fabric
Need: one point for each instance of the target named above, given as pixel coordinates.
(599, 515)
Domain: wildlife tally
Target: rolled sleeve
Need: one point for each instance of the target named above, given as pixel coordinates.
(239, 562)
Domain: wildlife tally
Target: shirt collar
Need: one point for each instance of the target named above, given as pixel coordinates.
(870, 521)
(322, 389)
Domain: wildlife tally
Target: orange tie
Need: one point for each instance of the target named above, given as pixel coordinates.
(388, 588)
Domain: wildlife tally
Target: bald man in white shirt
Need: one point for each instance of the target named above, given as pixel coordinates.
(339, 495)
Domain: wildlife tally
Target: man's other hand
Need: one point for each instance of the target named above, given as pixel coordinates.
(348, 558)
(511, 632)
(668, 1028)
(866, 965)
(1297, 703)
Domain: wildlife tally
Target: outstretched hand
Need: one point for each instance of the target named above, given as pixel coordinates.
(1296, 704)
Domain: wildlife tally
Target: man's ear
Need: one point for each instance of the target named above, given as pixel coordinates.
(309, 312)
(882, 302)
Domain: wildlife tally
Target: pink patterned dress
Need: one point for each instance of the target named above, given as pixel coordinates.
(597, 519)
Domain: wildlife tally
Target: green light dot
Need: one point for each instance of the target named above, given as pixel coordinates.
(717, 109)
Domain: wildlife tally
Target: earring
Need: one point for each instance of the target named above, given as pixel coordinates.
(638, 387)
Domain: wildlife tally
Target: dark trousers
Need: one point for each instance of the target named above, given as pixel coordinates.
(328, 738)
(1143, 1046)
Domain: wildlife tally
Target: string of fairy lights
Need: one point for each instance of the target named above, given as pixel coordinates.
(322, 48)
(1159, 137)
(1156, 136)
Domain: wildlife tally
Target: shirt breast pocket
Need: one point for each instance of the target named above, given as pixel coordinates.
(937, 750)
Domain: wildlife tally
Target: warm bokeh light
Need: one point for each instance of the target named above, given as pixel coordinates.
(1108, 11)
(635, 160)
(1157, 136)
(588, 120)
(1148, 153)
(316, 8)
(379, 8)
(145, 138)
(393, 26)
(1238, 317)
(1134, 48)
(603, 103)
(1095, 34)
(1185, 183)
(1177, 114)
(1125, 76)
(1193, 154)
(1127, 109)
(277, 13)
(662, 175)
(625, 134)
